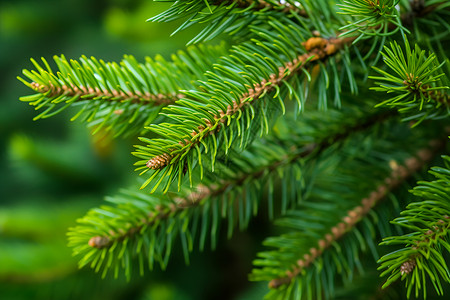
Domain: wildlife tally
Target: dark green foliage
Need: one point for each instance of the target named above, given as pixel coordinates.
(372, 18)
(419, 80)
(356, 173)
(426, 245)
(231, 17)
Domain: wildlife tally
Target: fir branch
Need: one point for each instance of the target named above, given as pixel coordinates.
(200, 121)
(234, 193)
(123, 97)
(285, 6)
(422, 88)
(216, 111)
(202, 193)
(381, 18)
(229, 16)
(378, 20)
(89, 93)
(373, 18)
(158, 213)
(398, 175)
(429, 224)
(296, 153)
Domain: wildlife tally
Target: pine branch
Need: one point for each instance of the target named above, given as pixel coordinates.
(399, 174)
(422, 257)
(373, 18)
(89, 93)
(422, 88)
(213, 115)
(213, 120)
(285, 6)
(296, 152)
(236, 196)
(326, 244)
(121, 97)
(229, 16)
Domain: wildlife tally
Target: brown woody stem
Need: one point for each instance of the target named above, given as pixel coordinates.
(89, 93)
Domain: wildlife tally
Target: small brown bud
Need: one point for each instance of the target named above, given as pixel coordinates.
(314, 42)
(330, 49)
(407, 267)
(276, 283)
(159, 162)
(98, 241)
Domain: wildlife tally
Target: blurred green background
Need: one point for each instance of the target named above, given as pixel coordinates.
(52, 171)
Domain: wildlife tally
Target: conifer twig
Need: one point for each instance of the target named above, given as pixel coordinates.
(203, 192)
(317, 48)
(283, 6)
(88, 93)
(398, 175)
(419, 254)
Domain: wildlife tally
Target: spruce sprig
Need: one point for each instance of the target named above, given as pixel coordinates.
(417, 79)
(122, 97)
(233, 193)
(371, 19)
(425, 246)
(328, 234)
(226, 16)
(238, 97)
